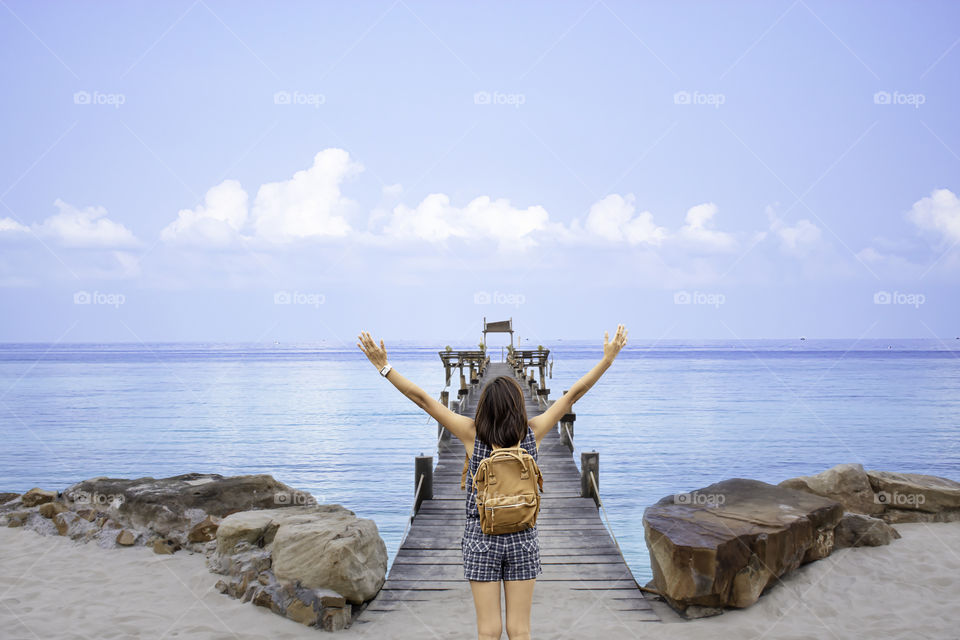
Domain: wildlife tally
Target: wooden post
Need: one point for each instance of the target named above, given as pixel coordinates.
(566, 430)
(463, 385)
(423, 467)
(589, 461)
(443, 434)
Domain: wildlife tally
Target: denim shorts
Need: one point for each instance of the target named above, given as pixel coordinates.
(507, 556)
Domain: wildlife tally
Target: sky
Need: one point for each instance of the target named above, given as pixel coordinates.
(232, 171)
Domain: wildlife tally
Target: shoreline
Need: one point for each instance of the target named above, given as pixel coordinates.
(906, 589)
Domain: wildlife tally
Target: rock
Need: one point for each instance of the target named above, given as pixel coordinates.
(335, 618)
(126, 538)
(262, 598)
(36, 496)
(254, 527)
(50, 509)
(17, 518)
(848, 484)
(858, 530)
(205, 530)
(911, 495)
(64, 521)
(302, 612)
(221, 586)
(695, 611)
(7, 496)
(332, 550)
(724, 544)
(87, 514)
(169, 507)
(163, 546)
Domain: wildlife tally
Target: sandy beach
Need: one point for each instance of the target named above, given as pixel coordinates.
(55, 588)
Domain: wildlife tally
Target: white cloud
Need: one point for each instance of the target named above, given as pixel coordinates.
(939, 212)
(799, 239)
(217, 222)
(309, 204)
(612, 219)
(436, 220)
(698, 232)
(85, 228)
(9, 225)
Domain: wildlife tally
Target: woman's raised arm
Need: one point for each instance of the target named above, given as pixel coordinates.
(542, 423)
(460, 426)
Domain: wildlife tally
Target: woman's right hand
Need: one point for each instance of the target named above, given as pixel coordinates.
(612, 347)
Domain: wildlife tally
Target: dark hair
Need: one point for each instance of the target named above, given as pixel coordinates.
(501, 419)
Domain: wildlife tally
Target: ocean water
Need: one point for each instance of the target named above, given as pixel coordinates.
(666, 417)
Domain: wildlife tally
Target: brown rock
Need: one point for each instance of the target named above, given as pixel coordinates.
(848, 484)
(87, 514)
(163, 546)
(126, 538)
(858, 530)
(301, 612)
(915, 492)
(205, 530)
(7, 496)
(262, 598)
(724, 544)
(50, 509)
(63, 521)
(17, 518)
(37, 496)
(335, 618)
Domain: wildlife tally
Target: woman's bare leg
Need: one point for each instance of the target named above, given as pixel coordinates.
(519, 596)
(486, 599)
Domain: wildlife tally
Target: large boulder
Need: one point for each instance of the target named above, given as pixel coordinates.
(37, 496)
(722, 545)
(320, 547)
(848, 484)
(171, 507)
(858, 530)
(914, 497)
(7, 496)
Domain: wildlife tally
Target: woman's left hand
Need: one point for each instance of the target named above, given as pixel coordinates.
(376, 355)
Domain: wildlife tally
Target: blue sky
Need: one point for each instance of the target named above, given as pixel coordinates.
(236, 171)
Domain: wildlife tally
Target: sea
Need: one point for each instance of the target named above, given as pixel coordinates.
(667, 417)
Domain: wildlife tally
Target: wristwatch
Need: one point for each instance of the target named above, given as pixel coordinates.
(385, 370)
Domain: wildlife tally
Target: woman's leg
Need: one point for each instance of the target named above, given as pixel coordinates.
(486, 599)
(519, 596)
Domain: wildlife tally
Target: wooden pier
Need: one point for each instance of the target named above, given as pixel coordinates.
(581, 560)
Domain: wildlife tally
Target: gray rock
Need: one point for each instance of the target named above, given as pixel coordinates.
(848, 484)
(858, 530)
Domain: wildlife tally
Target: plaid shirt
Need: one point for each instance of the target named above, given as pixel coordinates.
(482, 450)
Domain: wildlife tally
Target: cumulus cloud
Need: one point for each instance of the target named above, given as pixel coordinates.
(613, 219)
(11, 226)
(217, 222)
(309, 204)
(698, 232)
(85, 228)
(799, 239)
(436, 220)
(939, 213)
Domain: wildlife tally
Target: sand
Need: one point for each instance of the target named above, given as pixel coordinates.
(55, 588)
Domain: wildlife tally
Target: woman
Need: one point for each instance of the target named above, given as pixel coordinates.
(501, 421)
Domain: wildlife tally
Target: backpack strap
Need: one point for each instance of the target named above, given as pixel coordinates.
(463, 476)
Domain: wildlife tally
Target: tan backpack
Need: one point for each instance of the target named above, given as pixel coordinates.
(506, 489)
